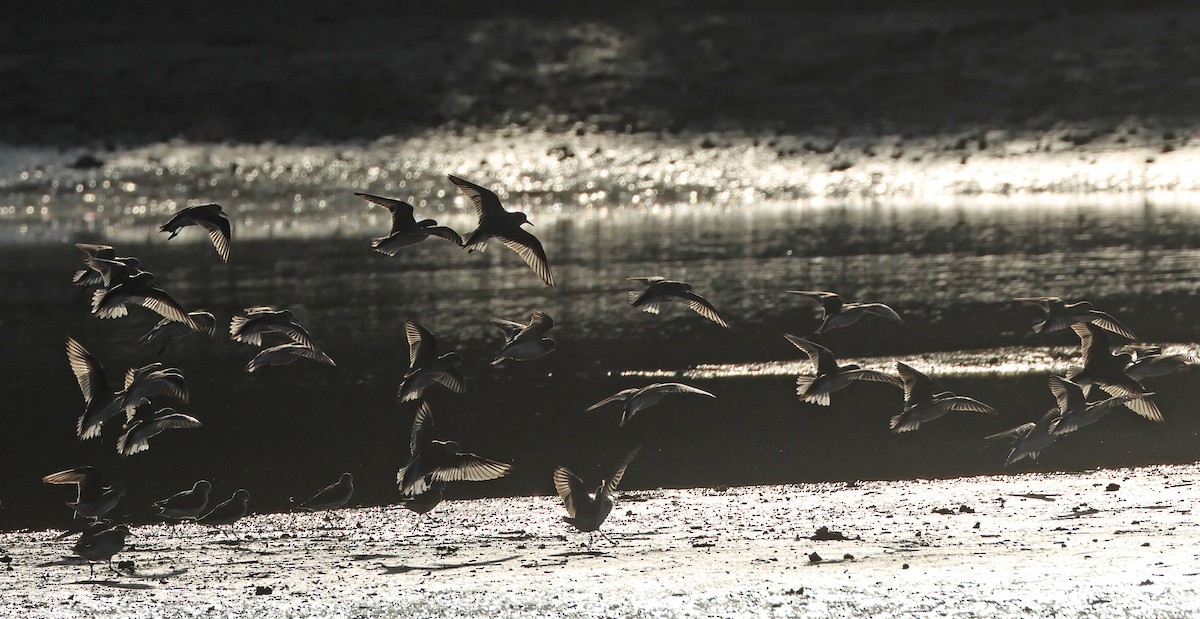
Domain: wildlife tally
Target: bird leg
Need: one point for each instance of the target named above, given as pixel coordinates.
(605, 536)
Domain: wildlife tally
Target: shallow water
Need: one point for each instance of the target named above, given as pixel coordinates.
(950, 267)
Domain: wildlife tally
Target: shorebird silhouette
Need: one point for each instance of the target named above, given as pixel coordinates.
(167, 329)
(660, 290)
(636, 399)
(285, 354)
(1060, 315)
(207, 216)
(101, 401)
(186, 505)
(425, 366)
(496, 221)
(253, 323)
(228, 512)
(922, 405)
(1076, 412)
(406, 230)
(1030, 438)
(139, 289)
(525, 342)
(830, 376)
(840, 314)
(424, 502)
(432, 461)
(586, 512)
(136, 438)
(92, 498)
(333, 496)
(101, 546)
(1107, 371)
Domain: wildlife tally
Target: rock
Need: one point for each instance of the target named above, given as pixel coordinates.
(263, 590)
(824, 534)
(904, 567)
(1112, 488)
(814, 557)
(963, 509)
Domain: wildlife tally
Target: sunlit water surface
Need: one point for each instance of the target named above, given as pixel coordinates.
(605, 211)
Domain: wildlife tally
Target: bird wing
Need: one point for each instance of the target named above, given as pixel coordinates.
(510, 328)
(701, 306)
(87, 479)
(873, 376)
(157, 300)
(220, 233)
(677, 388)
(917, 386)
(203, 322)
(487, 203)
(619, 396)
(470, 467)
(402, 212)
(963, 403)
(422, 428)
(446, 233)
(1105, 321)
(570, 489)
(539, 324)
(92, 250)
(616, 477)
(1092, 340)
(88, 371)
(830, 302)
(1017, 432)
(1068, 394)
(451, 379)
(422, 345)
(647, 280)
(817, 353)
(530, 250)
(296, 332)
(875, 309)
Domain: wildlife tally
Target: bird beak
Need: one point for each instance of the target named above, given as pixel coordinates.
(529, 222)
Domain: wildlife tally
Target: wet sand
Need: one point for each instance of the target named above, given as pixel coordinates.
(1097, 544)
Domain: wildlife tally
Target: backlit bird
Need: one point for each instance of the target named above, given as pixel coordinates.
(660, 290)
(496, 221)
(426, 367)
(432, 461)
(586, 512)
(840, 314)
(207, 216)
(639, 398)
(406, 230)
(922, 405)
(830, 376)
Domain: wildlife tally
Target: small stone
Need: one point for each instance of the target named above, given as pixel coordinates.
(814, 558)
(848, 557)
(976, 526)
(904, 567)
(263, 590)
(1146, 545)
(125, 566)
(6, 559)
(1112, 488)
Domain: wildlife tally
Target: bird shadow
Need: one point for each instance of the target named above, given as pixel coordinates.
(404, 569)
(116, 584)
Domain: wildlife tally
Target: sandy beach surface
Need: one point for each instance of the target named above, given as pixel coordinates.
(1103, 543)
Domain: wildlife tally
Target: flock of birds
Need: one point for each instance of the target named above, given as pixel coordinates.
(1104, 383)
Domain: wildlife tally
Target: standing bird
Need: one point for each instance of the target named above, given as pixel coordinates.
(255, 322)
(661, 290)
(525, 342)
(432, 461)
(167, 329)
(1076, 412)
(207, 216)
(1031, 438)
(228, 512)
(495, 221)
(830, 376)
(101, 546)
(1060, 315)
(425, 367)
(102, 403)
(284, 354)
(840, 314)
(405, 228)
(185, 505)
(922, 405)
(636, 399)
(332, 496)
(1107, 371)
(140, 290)
(586, 512)
(92, 498)
(136, 438)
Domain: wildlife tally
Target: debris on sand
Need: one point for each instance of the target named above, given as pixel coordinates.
(263, 590)
(823, 534)
(814, 557)
(1112, 488)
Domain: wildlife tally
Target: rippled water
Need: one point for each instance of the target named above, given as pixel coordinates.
(949, 265)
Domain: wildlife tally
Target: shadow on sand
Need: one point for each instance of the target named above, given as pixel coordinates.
(404, 569)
